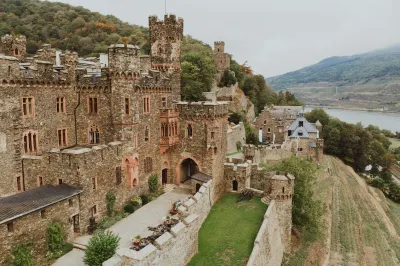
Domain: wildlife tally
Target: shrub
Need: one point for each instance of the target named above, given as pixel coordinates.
(55, 236)
(128, 208)
(101, 247)
(145, 199)
(153, 183)
(136, 201)
(107, 222)
(378, 183)
(22, 256)
(110, 203)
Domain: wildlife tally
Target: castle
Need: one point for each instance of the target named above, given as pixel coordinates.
(73, 129)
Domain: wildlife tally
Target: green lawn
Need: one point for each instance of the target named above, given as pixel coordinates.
(227, 235)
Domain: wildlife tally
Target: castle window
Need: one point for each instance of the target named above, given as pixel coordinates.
(16, 51)
(283, 189)
(148, 164)
(301, 123)
(189, 130)
(164, 102)
(93, 210)
(176, 129)
(146, 104)
(30, 142)
(40, 181)
(59, 181)
(212, 135)
(146, 134)
(10, 227)
(9, 71)
(269, 130)
(62, 137)
(300, 149)
(94, 135)
(265, 122)
(118, 178)
(3, 142)
(61, 105)
(94, 183)
(164, 130)
(92, 105)
(28, 106)
(43, 214)
(19, 183)
(127, 106)
(135, 141)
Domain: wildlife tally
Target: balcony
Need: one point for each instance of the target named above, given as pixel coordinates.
(167, 142)
(168, 113)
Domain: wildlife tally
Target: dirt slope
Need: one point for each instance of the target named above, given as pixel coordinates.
(361, 226)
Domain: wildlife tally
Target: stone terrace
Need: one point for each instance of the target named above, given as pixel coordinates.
(135, 224)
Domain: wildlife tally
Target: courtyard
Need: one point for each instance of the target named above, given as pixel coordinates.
(227, 235)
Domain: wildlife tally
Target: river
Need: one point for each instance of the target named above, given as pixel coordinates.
(389, 121)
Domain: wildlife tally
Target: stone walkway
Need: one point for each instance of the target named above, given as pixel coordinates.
(133, 225)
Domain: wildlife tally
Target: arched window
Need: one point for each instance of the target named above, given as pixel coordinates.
(94, 135)
(16, 51)
(189, 130)
(146, 134)
(30, 142)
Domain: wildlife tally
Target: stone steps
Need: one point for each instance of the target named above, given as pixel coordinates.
(169, 187)
(266, 200)
(185, 186)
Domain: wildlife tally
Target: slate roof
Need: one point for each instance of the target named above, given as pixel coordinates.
(201, 177)
(34, 199)
(300, 132)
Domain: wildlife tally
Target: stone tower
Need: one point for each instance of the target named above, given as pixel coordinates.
(13, 46)
(165, 39)
(281, 190)
(222, 60)
(124, 58)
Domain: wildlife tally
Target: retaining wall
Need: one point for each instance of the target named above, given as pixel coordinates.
(268, 247)
(178, 247)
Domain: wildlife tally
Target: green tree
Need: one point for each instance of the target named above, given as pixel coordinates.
(100, 248)
(318, 114)
(110, 203)
(306, 211)
(227, 79)
(55, 236)
(153, 183)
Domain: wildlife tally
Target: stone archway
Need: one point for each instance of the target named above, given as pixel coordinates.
(185, 168)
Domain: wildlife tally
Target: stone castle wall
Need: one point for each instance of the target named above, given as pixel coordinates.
(262, 154)
(268, 247)
(175, 248)
(235, 134)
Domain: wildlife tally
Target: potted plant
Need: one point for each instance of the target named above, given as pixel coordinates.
(167, 220)
(136, 240)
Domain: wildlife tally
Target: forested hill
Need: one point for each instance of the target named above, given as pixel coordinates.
(67, 27)
(345, 70)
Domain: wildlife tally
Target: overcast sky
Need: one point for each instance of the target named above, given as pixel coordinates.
(274, 36)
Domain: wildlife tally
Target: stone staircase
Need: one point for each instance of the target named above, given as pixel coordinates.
(169, 187)
(266, 200)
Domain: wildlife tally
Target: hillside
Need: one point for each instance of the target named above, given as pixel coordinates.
(67, 27)
(368, 81)
(381, 64)
(361, 226)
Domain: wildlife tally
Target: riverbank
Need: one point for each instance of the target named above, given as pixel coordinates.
(383, 120)
(351, 109)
